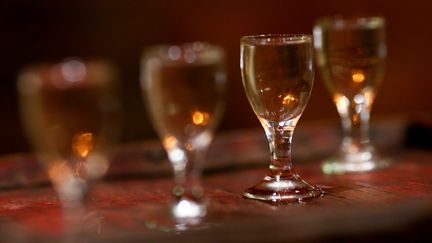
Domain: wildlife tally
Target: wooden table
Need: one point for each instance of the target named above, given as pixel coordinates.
(131, 204)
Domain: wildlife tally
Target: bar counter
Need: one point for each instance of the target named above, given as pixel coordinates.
(131, 203)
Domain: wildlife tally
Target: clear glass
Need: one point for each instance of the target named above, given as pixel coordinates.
(184, 86)
(278, 73)
(70, 113)
(351, 54)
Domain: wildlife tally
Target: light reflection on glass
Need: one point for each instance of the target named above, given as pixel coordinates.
(73, 70)
(96, 165)
(70, 72)
(178, 158)
(59, 171)
(169, 142)
(281, 183)
(358, 77)
(69, 187)
(341, 103)
(175, 154)
(189, 146)
(200, 118)
(82, 144)
(290, 100)
(202, 140)
(337, 168)
(174, 53)
(369, 95)
(359, 99)
(188, 209)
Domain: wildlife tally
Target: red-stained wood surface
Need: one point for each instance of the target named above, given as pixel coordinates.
(132, 204)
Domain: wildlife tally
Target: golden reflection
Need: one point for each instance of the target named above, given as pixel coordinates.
(60, 171)
(189, 146)
(369, 95)
(342, 103)
(169, 142)
(355, 119)
(358, 77)
(290, 100)
(200, 118)
(82, 144)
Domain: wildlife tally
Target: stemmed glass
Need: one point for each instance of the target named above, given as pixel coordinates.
(183, 86)
(278, 73)
(70, 113)
(351, 53)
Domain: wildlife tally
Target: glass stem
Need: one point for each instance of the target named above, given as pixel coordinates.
(280, 137)
(187, 172)
(355, 124)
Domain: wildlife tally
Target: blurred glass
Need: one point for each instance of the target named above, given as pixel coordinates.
(351, 54)
(70, 112)
(184, 88)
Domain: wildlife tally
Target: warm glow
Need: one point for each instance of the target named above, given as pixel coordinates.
(358, 77)
(189, 146)
(200, 118)
(60, 172)
(342, 103)
(69, 185)
(82, 144)
(289, 100)
(169, 142)
(369, 95)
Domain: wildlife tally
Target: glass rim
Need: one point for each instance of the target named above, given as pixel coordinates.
(272, 39)
(176, 51)
(48, 63)
(59, 70)
(351, 21)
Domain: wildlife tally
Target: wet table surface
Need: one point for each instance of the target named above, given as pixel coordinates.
(131, 204)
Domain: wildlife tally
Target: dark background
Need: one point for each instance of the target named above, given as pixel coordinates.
(34, 31)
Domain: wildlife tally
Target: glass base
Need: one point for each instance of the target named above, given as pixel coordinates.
(358, 162)
(282, 190)
(188, 210)
(176, 217)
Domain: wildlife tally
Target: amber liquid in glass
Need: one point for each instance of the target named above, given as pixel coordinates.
(351, 54)
(276, 83)
(185, 100)
(352, 61)
(184, 88)
(277, 73)
(68, 121)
